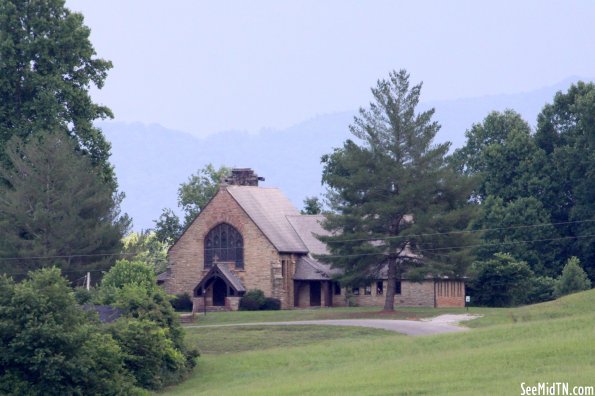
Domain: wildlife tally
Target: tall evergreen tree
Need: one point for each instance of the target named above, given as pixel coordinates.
(396, 201)
(47, 66)
(55, 207)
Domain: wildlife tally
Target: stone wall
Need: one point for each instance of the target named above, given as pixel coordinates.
(262, 263)
(413, 294)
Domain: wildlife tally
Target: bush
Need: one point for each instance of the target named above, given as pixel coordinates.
(573, 279)
(48, 345)
(501, 282)
(542, 289)
(271, 304)
(83, 296)
(253, 300)
(182, 302)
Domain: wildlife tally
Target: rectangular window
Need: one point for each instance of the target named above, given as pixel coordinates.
(283, 268)
(398, 287)
(355, 291)
(368, 290)
(379, 288)
(337, 287)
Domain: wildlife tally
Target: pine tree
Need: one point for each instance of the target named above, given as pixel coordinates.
(395, 199)
(55, 209)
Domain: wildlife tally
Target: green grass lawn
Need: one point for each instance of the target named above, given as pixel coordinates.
(547, 342)
(323, 313)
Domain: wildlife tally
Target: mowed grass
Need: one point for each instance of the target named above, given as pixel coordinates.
(547, 342)
(322, 313)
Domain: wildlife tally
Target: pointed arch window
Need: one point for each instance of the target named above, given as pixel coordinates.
(224, 244)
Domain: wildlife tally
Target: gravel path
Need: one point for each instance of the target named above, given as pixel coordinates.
(438, 325)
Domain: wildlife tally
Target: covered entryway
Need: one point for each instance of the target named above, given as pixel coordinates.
(315, 294)
(220, 287)
(219, 292)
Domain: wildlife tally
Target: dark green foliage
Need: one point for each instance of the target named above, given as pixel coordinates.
(541, 289)
(168, 227)
(182, 302)
(501, 281)
(312, 206)
(573, 279)
(48, 345)
(83, 296)
(506, 223)
(194, 195)
(131, 286)
(54, 204)
(391, 189)
(192, 198)
(271, 304)
(149, 353)
(253, 300)
(566, 132)
(47, 67)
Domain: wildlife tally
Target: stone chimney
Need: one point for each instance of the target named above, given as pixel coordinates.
(243, 177)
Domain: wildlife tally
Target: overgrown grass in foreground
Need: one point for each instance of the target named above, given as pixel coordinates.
(545, 343)
(215, 340)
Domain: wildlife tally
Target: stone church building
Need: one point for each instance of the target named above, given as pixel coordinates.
(250, 237)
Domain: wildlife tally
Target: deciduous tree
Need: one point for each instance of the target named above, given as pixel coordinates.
(47, 66)
(193, 196)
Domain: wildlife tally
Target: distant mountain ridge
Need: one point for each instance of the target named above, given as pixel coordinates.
(151, 161)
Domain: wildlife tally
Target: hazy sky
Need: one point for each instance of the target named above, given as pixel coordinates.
(203, 67)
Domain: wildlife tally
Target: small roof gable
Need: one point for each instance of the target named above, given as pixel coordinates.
(220, 270)
(269, 208)
(308, 268)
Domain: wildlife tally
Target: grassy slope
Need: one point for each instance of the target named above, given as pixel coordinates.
(547, 342)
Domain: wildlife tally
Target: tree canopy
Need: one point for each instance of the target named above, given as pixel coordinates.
(193, 196)
(55, 209)
(47, 66)
(391, 189)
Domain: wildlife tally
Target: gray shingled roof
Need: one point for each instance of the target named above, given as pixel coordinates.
(235, 282)
(308, 268)
(269, 208)
(307, 227)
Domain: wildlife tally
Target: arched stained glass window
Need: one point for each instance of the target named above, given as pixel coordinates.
(224, 244)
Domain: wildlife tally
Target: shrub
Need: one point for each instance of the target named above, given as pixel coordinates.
(573, 279)
(49, 347)
(82, 295)
(271, 304)
(500, 282)
(542, 289)
(253, 300)
(182, 302)
(126, 272)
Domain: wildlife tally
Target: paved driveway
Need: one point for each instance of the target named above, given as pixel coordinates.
(438, 325)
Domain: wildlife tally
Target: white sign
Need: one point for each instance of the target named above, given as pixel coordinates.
(467, 299)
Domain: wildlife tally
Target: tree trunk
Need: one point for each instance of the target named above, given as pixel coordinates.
(389, 302)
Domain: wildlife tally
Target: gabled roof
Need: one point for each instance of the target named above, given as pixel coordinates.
(220, 270)
(268, 208)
